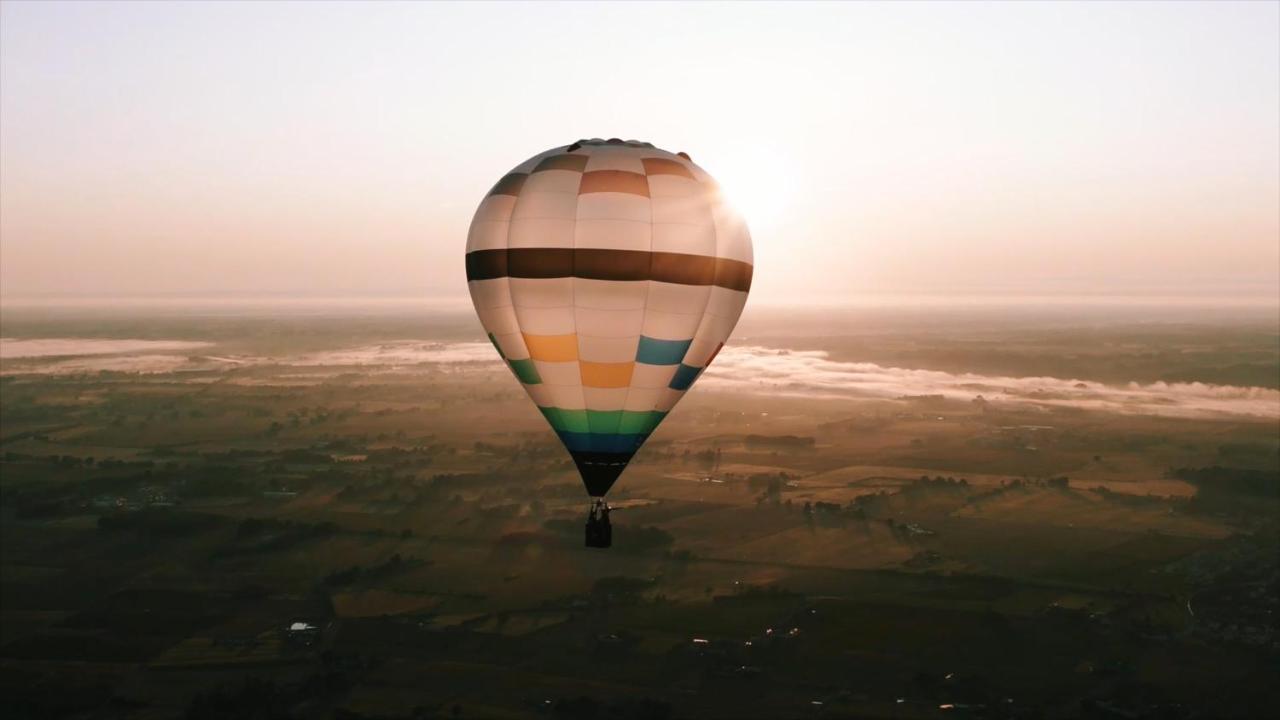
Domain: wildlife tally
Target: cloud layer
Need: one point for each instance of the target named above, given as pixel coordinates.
(77, 356)
(12, 348)
(811, 373)
(797, 373)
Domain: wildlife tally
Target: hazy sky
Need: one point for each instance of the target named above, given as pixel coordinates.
(327, 149)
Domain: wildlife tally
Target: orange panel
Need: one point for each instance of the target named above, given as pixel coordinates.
(606, 375)
(552, 348)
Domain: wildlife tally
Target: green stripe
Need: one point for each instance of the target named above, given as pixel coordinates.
(566, 420)
(525, 371)
(605, 422)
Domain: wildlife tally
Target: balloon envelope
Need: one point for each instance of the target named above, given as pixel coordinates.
(608, 274)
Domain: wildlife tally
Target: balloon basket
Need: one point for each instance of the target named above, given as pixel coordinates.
(599, 531)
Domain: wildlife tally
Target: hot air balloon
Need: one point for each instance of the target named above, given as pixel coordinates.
(607, 274)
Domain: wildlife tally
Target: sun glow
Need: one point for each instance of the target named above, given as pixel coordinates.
(760, 187)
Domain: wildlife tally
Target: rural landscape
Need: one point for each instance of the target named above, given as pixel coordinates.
(1032, 511)
(601, 360)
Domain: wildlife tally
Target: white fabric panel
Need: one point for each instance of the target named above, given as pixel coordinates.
(545, 321)
(726, 304)
(558, 205)
(553, 181)
(604, 398)
(690, 210)
(495, 292)
(489, 225)
(739, 247)
(610, 294)
(541, 232)
(670, 326)
(569, 397)
(707, 337)
(613, 157)
(559, 373)
(488, 235)
(687, 239)
(644, 399)
(607, 350)
(542, 293)
(614, 206)
(704, 343)
(700, 175)
(539, 394)
(717, 324)
(666, 186)
(730, 306)
(733, 240)
(512, 345)
(609, 323)
(608, 234)
(675, 298)
(655, 377)
(499, 320)
(722, 302)
(720, 327)
(494, 208)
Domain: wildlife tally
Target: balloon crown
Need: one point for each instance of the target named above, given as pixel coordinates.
(617, 141)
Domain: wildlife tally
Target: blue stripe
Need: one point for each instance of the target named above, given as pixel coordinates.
(684, 377)
(601, 442)
(661, 352)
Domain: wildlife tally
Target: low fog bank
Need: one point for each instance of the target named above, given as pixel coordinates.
(749, 368)
(814, 374)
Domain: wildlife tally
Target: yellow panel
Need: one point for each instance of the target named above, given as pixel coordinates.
(606, 375)
(552, 348)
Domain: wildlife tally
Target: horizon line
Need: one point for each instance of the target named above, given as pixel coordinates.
(1270, 301)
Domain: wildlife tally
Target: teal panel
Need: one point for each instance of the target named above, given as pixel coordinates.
(652, 351)
(684, 377)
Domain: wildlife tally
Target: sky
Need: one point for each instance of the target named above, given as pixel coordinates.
(876, 150)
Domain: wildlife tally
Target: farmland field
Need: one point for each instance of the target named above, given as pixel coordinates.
(359, 514)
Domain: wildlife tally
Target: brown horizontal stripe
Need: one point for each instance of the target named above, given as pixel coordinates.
(619, 181)
(510, 184)
(663, 166)
(544, 263)
(576, 163)
(600, 264)
(733, 273)
(684, 269)
(486, 264)
(594, 264)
